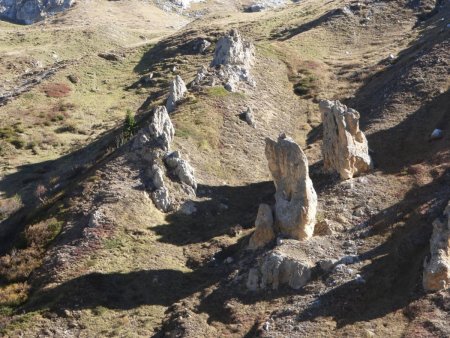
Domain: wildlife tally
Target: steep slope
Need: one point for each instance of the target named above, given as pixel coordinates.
(141, 272)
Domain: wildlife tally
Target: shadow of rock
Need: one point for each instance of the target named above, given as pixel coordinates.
(223, 208)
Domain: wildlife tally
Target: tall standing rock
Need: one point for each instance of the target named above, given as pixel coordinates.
(436, 273)
(161, 129)
(345, 148)
(176, 93)
(296, 199)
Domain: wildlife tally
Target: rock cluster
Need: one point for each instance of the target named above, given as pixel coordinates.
(295, 198)
(30, 11)
(233, 59)
(176, 93)
(232, 50)
(153, 145)
(436, 274)
(345, 148)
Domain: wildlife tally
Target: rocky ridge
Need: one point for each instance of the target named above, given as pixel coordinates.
(30, 11)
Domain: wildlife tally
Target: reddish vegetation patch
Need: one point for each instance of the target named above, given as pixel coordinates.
(56, 89)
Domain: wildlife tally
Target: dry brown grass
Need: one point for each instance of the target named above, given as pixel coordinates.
(19, 264)
(14, 294)
(56, 89)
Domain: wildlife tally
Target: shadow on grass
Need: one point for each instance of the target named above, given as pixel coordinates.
(223, 208)
(287, 34)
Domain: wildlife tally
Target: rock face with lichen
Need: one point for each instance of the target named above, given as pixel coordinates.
(436, 273)
(345, 148)
(30, 11)
(296, 199)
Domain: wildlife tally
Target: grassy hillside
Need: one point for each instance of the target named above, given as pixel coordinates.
(143, 272)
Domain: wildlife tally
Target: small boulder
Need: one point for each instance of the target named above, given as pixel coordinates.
(264, 233)
(279, 269)
(436, 134)
(201, 45)
(249, 117)
(161, 199)
(110, 56)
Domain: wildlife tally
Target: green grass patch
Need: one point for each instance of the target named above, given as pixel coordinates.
(218, 91)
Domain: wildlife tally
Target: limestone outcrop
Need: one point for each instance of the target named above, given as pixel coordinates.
(232, 50)
(176, 93)
(345, 148)
(264, 232)
(233, 59)
(436, 273)
(30, 11)
(296, 199)
(161, 129)
(151, 145)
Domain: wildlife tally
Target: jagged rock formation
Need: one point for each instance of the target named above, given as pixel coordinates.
(345, 148)
(233, 59)
(161, 128)
(296, 199)
(30, 11)
(231, 49)
(159, 133)
(176, 93)
(264, 232)
(436, 273)
(152, 143)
